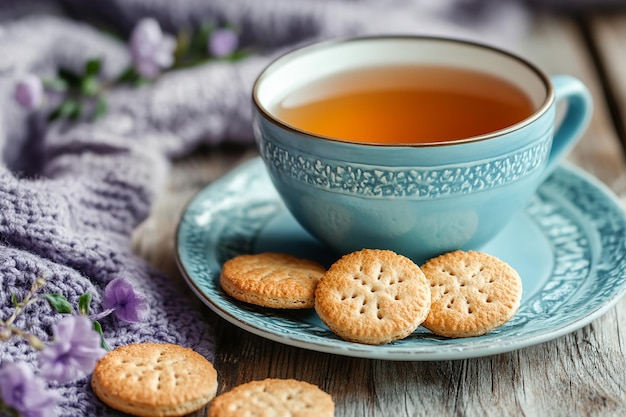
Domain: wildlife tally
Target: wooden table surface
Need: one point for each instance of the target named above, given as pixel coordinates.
(580, 374)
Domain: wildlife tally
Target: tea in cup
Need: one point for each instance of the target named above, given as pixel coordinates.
(416, 144)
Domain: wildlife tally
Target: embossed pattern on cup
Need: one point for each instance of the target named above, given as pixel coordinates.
(424, 199)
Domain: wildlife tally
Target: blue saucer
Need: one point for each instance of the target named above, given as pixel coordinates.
(568, 245)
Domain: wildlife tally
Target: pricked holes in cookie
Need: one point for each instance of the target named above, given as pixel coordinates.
(477, 273)
(381, 271)
(450, 273)
(451, 303)
(362, 310)
(379, 313)
(352, 296)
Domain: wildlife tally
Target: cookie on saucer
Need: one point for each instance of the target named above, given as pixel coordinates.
(373, 297)
(472, 293)
(276, 280)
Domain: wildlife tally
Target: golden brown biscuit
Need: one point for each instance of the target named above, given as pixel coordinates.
(273, 397)
(472, 293)
(276, 280)
(154, 380)
(373, 296)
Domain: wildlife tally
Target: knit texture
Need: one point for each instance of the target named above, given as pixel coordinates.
(71, 193)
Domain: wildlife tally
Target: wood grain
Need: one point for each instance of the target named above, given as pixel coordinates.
(558, 46)
(580, 374)
(608, 34)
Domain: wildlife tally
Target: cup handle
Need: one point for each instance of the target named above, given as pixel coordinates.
(576, 120)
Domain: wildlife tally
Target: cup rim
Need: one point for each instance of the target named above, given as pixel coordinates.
(294, 53)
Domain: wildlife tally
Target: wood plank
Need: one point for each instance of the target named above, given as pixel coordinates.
(582, 373)
(608, 34)
(556, 46)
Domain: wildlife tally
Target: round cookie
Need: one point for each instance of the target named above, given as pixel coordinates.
(275, 397)
(472, 293)
(373, 296)
(154, 380)
(276, 280)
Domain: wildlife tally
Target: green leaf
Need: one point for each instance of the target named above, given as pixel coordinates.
(183, 40)
(128, 76)
(98, 328)
(72, 79)
(56, 84)
(89, 86)
(238, 54)
(200, 39)
(101, 108)
(14, 300)
(59, 303)
(69, 108)
(141, 81)
(93, 66)
(83, 304)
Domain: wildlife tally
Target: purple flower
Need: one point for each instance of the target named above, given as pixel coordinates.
(74, 352)
(223, 42)
(151, 50)
(24, 392)
(129, 305)
(29, 91)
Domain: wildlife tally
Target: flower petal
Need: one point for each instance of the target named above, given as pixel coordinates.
(223, 42)
(73, 353)
(23, 391)
(150, 49)
(129, 304)
(29, 91)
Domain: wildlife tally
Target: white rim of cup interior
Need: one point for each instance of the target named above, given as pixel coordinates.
(288, 57)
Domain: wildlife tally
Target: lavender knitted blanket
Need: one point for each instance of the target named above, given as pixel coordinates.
(71, 193)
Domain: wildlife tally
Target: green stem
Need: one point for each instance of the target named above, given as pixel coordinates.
(7, 325)
(28, 300)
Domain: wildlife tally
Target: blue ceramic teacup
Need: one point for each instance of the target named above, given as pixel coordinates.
(419, 200)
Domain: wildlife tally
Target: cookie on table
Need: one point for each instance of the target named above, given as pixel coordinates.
(276, 280)
(273, 397)
(373, 297)
(472, 293)
(154, 380)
